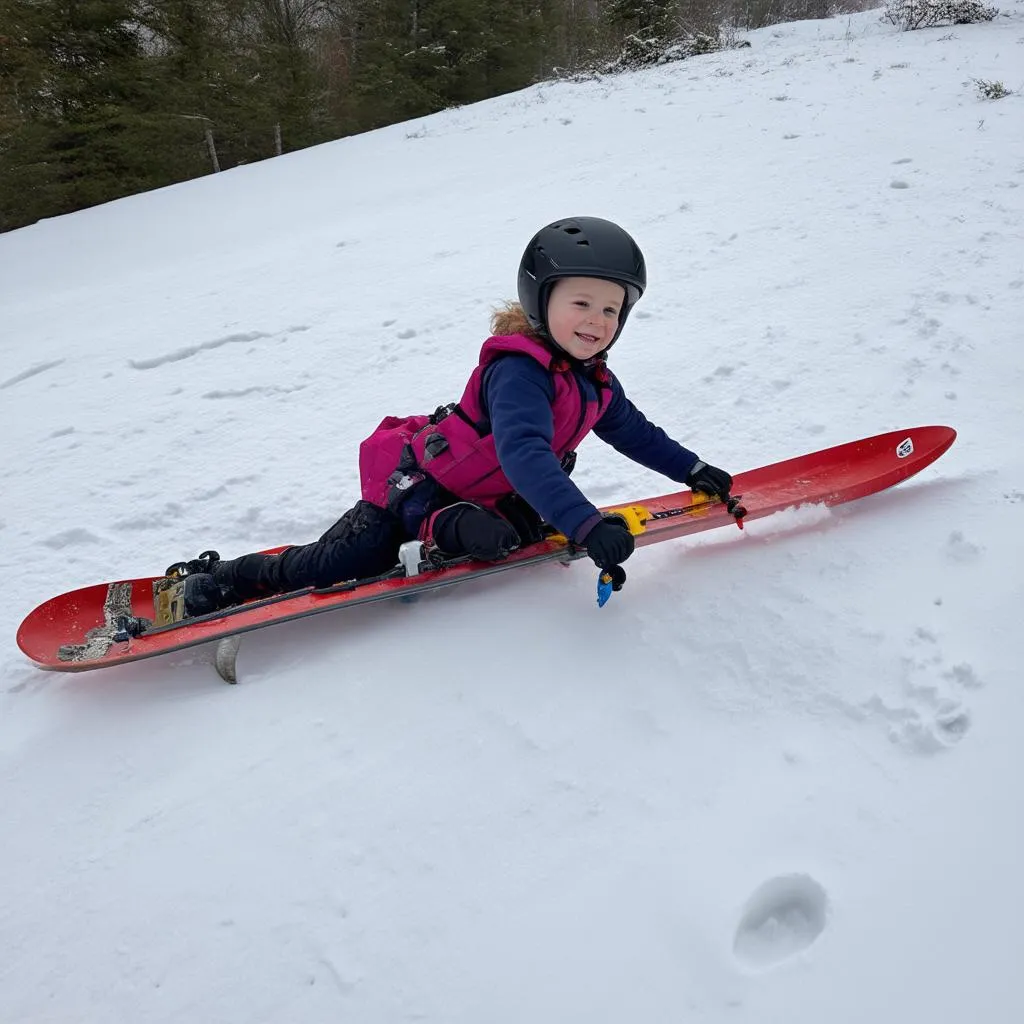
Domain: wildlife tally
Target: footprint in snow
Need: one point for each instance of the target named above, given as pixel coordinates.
(70, 538)
(782, 918)
(931, 717)
(960, 549)
(722, 372)
(926, 730)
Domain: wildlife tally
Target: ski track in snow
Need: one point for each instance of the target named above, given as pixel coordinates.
(206, 346)
(31, 372)
(775, 779)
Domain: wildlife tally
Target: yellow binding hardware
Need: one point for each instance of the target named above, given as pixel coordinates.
(634, 516)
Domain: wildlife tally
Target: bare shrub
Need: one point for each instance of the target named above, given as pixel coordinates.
(638, 52)
(992, 90)
(908, 15)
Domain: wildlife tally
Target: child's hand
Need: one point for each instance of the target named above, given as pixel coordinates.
(710, 480)
(610, 542)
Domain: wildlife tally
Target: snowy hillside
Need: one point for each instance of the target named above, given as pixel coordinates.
(776, 779)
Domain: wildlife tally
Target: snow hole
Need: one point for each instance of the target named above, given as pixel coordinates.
(784, 916)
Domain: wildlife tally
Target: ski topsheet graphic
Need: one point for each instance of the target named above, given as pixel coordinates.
(111, 623)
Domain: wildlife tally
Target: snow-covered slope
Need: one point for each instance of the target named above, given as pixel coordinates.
(777, 779)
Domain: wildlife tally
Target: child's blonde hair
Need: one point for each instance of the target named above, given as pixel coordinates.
(510, 318)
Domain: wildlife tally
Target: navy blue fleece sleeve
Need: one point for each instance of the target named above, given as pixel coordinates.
(518, 394)
(628, 430)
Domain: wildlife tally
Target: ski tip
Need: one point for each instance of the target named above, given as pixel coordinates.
(925, 444)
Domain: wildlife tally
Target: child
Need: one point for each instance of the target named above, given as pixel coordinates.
(482, 476)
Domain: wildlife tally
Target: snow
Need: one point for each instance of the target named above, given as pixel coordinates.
(776, 779)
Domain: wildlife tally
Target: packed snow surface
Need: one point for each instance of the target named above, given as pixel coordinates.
(776, 779)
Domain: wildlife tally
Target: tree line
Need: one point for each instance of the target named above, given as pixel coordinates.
(105, 98)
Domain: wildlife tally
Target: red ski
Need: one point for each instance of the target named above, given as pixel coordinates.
(108, 624)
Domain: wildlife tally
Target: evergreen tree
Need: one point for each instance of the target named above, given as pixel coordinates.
(419, 56)
(396, 75)
(646, 18)
(571, 36)
(101, 98)
(209, 79)
(74, 98)
(293, 85)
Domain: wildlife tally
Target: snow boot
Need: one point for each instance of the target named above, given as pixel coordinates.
(203, 595)
(231, 582)
(198, 586)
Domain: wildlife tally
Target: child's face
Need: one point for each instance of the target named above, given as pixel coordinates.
(583, 314)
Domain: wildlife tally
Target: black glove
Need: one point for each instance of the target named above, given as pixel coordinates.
(709, 479)
(616, 576)
(610, 542)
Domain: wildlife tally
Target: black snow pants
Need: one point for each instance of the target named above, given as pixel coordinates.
(364, 542)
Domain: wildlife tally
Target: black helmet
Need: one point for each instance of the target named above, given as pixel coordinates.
(579, 247)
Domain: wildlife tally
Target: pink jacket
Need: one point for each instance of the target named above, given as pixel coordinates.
(455, 445)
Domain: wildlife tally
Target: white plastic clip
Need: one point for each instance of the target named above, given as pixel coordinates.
(410, 557)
